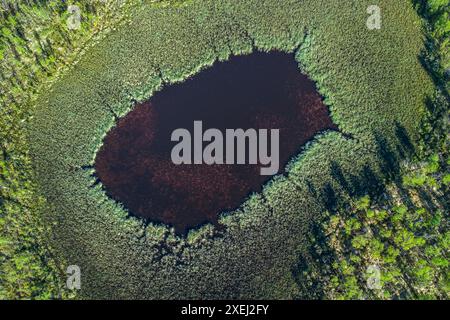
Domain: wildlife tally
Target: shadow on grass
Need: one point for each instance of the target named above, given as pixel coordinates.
(334, 195)
(314, 269)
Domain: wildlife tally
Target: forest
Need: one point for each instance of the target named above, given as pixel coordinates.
(369, 199)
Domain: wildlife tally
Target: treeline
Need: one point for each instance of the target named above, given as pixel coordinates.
(395, 245)
(36, 46)
(371, 80)
(36, 41)
(437, 14)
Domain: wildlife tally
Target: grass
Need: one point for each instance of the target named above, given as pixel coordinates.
(372, 82)
(35, 49)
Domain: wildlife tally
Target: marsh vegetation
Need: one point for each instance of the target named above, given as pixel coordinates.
(257, 91)
(376, 84)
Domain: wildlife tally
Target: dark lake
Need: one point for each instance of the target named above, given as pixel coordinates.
(260, 90)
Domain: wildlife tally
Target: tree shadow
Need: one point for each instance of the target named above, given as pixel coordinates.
(329, 198)
(345, 184)
(437, 108)
(427, 200)
(405, 147)
(318, 259)
(371, 179)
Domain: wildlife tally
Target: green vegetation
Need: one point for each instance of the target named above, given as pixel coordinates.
(437, 14)
(372, 81)
(61, 90)
(35, 48)
(404, 234)
(31, 36)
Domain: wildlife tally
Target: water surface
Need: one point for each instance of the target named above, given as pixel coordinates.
(260, 91)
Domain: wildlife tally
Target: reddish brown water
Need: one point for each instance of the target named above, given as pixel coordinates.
(261, 91)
